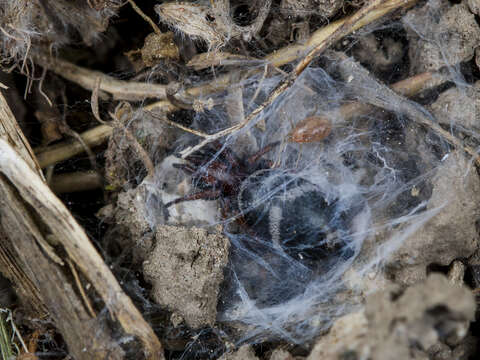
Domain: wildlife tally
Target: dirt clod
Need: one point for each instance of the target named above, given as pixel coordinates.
(185, 269)
(474, 6)
(409, 326)
(459, 107)
(158, 47)
(451, 34)
(450, 234)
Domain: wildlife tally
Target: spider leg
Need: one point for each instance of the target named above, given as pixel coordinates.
(254, 158)
(201, 158)
(224, 153)
(230, 157)
(204, 195)
(185, 167)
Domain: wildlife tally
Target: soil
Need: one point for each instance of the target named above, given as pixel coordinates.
(393, 270)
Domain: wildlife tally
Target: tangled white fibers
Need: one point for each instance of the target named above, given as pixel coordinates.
(298, 215)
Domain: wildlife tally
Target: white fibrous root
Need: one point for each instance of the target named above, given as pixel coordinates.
(49, 22)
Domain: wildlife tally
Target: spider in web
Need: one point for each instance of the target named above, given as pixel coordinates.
(274, 204)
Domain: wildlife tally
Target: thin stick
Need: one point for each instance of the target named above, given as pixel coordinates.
(32, 190)
(67, 149)
(40, 85)
(94, 101)
(162, 105)
(346, 28)
(259, 86)
(80, 289)
(145, 17)
(293, 52)
(134, 91)
(119, 89)
(177, 125)
(142, 154)
(76, 182)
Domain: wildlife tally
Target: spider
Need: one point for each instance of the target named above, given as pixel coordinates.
(222, 177)
(274, 204)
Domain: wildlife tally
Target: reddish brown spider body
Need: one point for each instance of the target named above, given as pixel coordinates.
(218, 173)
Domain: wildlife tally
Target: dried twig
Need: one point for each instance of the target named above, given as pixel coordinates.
(177, 125)
(352, 23)
(119, 89)
(94, 101)
(10, 130)
(144, 16)
(71, 237)
(65, 150)
(123, 111)
(88, 305)
(75, 182)
(293, 52)
(133, 91)
(162, 105)
(40, 85)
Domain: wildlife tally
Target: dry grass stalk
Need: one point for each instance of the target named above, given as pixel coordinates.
(133, 91)
(293, 52)
(71, 237)
(145, 17)
(177, 125)
(118, 89)
(10, 130)
(59, 152)
(211, 59)
(160, 106)
(85, 299)
(27, 209)
(75, 182)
